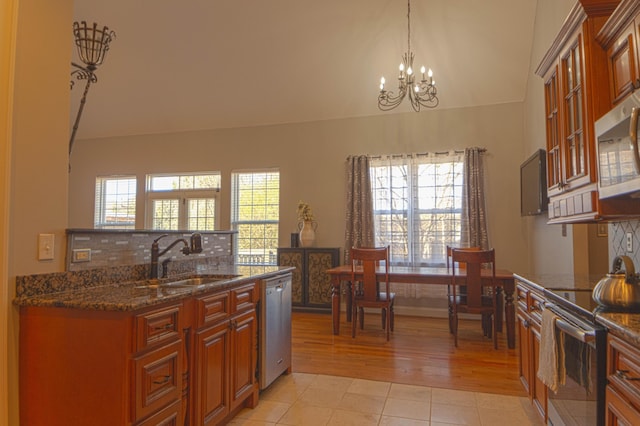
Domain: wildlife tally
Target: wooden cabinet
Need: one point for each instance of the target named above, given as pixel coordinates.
(573, 70)
(619, 38)
(311, 285)
(190, 362)
(623, 388)
(101, 368)
(529, 315)
(225, 354)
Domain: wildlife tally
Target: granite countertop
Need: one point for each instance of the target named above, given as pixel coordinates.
(625, 325)
(133, 295)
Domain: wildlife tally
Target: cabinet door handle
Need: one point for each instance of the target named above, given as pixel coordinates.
(164, 327)
(162, 381)
(525, 323)
(623, 375)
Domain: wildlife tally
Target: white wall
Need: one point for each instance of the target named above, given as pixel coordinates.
(8, 23)
(311, 159)
(40, 134)
(548, 250)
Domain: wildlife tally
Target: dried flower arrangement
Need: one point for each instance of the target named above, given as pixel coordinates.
(304, 212)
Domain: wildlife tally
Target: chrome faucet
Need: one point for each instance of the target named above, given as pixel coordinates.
(195, 246)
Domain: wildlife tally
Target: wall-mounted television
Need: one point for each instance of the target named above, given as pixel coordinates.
(533, 184)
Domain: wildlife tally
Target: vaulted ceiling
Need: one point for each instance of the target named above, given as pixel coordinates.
(207, 64)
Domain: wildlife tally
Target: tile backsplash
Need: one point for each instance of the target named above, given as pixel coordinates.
(104, 248)
(618, 240)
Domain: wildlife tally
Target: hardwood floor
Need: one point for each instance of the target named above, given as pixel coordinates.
(420, 352)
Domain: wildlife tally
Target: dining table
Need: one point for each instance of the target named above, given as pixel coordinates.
(425, 275)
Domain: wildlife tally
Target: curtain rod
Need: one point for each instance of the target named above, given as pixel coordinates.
(375, 157)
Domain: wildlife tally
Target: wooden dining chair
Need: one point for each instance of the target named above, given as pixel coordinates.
(475, 300)
(462, 290)
(366, 288)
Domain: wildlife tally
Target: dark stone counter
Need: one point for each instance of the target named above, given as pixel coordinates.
(133, 295)
(624, 324)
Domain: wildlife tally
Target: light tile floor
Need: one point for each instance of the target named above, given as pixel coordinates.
(314, 399)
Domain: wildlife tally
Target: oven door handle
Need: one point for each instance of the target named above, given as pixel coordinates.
(585, 336)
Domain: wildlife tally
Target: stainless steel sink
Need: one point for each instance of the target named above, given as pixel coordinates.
(188, 282)
(198, 280)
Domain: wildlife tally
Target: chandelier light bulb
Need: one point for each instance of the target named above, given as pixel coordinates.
(409, 71)
(416, 88)
(422, 70)
(430, 73)
(382, 81)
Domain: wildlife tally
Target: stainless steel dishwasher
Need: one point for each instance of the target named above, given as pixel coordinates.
(275, 328)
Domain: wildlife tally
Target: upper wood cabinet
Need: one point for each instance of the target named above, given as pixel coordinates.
(574, 69)
(619, 38)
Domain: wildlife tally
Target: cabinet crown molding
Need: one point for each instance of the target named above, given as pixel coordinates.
(621, 17)
(582, 10)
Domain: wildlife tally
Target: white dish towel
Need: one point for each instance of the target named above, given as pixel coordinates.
(551, 369)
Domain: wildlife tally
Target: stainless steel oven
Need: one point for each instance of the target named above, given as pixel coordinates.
(579, 399)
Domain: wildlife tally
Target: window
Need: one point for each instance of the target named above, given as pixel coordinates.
(183, 201)
(417, 203)
(255, 210)
(115, 204)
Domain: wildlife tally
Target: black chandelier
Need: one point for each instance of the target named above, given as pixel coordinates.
(92, 43)
(421, 93)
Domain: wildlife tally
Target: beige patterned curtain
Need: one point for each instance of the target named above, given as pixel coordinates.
(359, 218)
(474, 215)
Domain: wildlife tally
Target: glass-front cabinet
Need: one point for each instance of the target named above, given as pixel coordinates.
(574, 132)
(572, 70)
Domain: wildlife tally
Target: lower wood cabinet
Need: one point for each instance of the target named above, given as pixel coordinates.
(623, 383)
(311, 285)
(225, 355)
(191, 362)
(529, 317)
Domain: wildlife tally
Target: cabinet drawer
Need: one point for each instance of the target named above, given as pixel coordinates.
(244, 298)
(169, 416)
(618, 410)
(158, 379)
(536, 305)
(212, 308)
(521, 297)
(623, 369)
(157, 327)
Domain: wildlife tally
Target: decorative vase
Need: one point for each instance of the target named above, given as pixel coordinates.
(307, 233)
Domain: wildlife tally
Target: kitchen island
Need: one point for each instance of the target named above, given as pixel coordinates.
(141, 352)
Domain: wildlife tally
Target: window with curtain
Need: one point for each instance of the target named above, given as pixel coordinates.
(417, 205)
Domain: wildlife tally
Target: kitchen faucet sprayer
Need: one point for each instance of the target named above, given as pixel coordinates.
(195, 246)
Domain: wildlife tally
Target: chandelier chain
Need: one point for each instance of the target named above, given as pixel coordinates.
(408, 25)
(421, 92)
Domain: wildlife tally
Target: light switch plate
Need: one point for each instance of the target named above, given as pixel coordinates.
(629, 242)
(46, 242)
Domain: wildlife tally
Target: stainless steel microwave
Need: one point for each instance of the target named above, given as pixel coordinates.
(617, 147)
